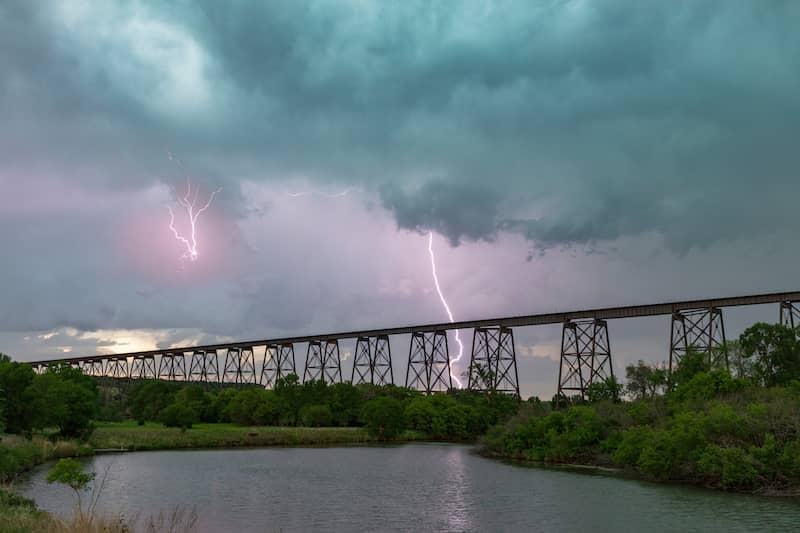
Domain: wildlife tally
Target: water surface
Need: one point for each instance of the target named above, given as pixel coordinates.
(413, 487)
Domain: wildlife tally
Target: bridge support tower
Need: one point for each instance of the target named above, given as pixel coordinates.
(585, 356)
(117, 367)
(323, 362)
(372, 362)
(698, 330)
(204, 366)
(172, 366)
(493, 365)
(790, 314)
(143, 367)
(278, 363)
(429, 362)
(240, 366)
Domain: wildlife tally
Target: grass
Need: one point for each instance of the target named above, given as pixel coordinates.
(20, 515)
(18, 454)
(130, 436)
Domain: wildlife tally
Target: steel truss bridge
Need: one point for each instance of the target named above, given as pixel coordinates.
(585, 350)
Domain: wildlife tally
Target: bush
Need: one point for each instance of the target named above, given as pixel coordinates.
(384, 417)
(179, 415)
(729, 467)
(316, 415)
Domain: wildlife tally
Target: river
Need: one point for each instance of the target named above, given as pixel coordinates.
(412, 487)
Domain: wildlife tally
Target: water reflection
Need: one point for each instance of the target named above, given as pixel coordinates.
(417, 487)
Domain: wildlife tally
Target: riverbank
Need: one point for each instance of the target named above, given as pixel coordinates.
(130, 436)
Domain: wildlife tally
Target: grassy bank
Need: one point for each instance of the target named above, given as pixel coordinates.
(18, 454)
(131, 436)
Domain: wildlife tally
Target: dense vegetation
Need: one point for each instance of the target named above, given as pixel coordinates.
(384, 411)
(736, 428)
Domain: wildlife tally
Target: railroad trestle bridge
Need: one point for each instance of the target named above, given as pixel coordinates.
(586, 355)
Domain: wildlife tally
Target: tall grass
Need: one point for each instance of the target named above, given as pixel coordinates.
(18, 454)
(156, 437)
(20, 515)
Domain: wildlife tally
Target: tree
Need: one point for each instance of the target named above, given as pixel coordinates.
(644, 381)
(179, 415)
(316, 415)
(776, 349)
(64, 398)
(70, 472)
(384, 417)
(14, 380)
(607, 389)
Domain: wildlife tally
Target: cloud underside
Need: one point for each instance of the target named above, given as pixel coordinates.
(568, 122)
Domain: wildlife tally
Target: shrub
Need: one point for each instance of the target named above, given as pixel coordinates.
(179, 415)
(316, 415)
(729, 467)
(384, 417)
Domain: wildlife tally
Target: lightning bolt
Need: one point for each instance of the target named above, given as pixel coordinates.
(447, 310)
(189, 203)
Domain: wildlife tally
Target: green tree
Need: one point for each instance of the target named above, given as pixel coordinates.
(64, 398)
(776, 349)
(316, 415)
(14, 380)
(179, 415)
(70, 473)
(644, 381)
(384, 417)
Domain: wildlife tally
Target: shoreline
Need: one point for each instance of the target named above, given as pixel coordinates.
(588, 468)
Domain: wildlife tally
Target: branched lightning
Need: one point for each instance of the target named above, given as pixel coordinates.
(189, 203)
(447, 310)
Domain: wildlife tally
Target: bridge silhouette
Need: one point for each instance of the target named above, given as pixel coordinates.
(586, 356)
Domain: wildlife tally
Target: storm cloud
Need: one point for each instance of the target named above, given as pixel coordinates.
(546, 127)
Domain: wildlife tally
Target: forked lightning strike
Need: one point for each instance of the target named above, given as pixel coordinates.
(447, 310)
(189, 203)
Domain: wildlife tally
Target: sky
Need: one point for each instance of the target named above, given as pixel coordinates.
(565, 154)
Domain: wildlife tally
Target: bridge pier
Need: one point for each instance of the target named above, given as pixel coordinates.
(143, 367)
(790, 314)
(585, 356)
(429, 362)
(278, 363)
(117, 367)
(240, 366)
(699, 330)
(323, 362)
(493, 364)
(204, 366)
(372, 362)
(172, 366)
(94, 367)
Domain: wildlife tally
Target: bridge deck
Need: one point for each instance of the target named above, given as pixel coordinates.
(608, 313)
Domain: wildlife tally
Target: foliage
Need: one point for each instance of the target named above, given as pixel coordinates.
(711, 428)
(179, 414)
(317, 415)
(384, 417)
(775, 350)
(70, 472)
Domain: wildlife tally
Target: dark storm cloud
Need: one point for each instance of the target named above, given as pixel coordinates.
(605, 118)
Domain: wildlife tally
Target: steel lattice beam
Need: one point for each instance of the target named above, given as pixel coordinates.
(172, 366)
(428, 367)
(699, 330)
(790, 314)
(240, 366)
(204, 366)
(585, 356)
(373, 361)
(143, 367)
(323, 362)
(493, 364)
(117, 367)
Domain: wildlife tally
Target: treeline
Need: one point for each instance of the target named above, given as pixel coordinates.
(62, 399)
(734, 426)
(385, 410)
